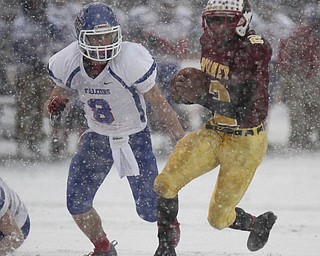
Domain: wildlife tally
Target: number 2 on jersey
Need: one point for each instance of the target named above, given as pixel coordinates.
(216, 88)
(101, 110)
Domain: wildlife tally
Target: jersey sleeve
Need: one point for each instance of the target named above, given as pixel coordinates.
(53, 72)
(63, 65)
(260, 52)
(252, 64)
(254, 58)
(141, 68)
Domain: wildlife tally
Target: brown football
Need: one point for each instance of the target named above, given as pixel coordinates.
(188, 85)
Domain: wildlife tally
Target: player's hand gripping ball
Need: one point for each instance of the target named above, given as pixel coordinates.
(57, 105)
(189, 85)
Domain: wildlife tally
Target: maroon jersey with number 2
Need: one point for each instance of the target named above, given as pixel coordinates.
(239, 71)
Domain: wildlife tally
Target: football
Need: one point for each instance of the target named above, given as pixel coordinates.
(188, 85)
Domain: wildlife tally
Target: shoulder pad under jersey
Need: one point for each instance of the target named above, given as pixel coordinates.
(257, 47)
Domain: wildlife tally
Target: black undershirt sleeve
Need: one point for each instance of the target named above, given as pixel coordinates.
(220, 107)
(239, 107)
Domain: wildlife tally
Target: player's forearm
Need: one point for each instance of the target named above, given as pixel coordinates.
(170, 121)
(176, 129)
(167, 117)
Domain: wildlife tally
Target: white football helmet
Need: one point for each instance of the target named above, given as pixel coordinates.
(98, 20)
(237, 14)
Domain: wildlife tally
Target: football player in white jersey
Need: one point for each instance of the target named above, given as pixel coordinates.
(113, 79)
(14, 220)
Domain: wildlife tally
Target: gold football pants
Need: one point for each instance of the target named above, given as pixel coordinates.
(200, 152)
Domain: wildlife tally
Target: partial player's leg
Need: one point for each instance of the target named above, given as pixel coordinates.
(259, 227)
(168, 226)
(142, 185)
(88, 170)
(91, 226)
(240, 158)
(145, 196)
(193, 156)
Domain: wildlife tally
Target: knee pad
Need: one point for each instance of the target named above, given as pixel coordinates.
(147, 214)
(146, 208)
(76, 206)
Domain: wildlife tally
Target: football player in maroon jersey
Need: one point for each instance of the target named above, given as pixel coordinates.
(233, 84)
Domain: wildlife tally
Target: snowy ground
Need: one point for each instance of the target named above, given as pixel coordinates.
(286, 183)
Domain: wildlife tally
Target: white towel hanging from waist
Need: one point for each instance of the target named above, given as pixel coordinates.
(123, 156)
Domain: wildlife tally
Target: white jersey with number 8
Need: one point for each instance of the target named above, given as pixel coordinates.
(113, 101)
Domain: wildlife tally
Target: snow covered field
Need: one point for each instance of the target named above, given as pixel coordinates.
(286, 183)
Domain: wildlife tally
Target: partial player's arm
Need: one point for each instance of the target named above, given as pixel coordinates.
(13, 237)
(168, 117)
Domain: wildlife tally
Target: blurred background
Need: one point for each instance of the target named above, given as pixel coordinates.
(33, 30)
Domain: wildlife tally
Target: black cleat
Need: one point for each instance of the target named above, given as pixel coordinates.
(169, 237)
(261, 229)
(165, 250)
